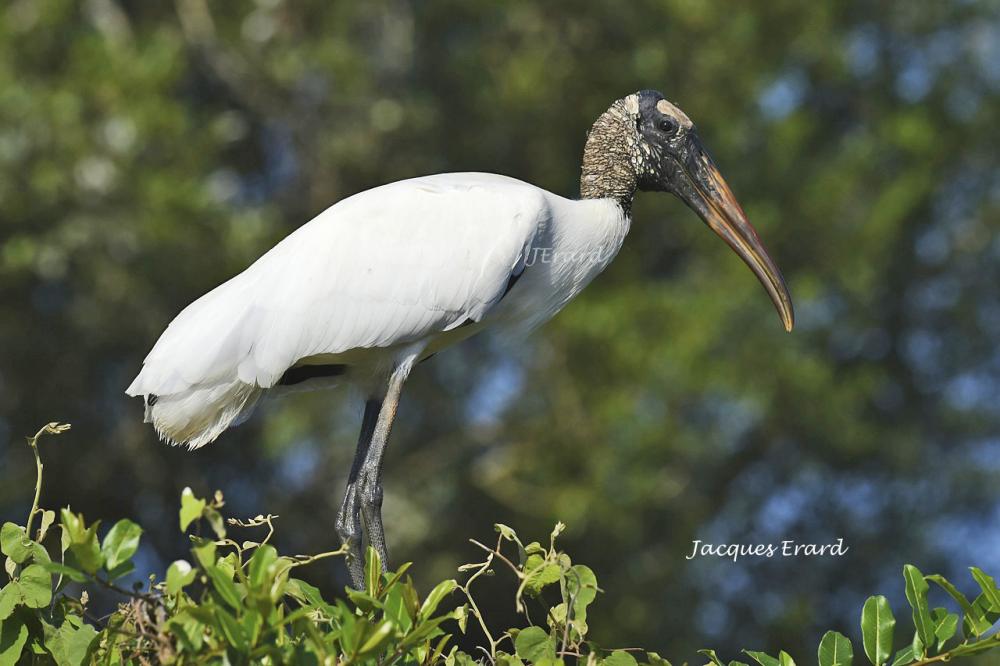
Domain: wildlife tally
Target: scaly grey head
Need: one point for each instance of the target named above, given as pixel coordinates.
(643, 142)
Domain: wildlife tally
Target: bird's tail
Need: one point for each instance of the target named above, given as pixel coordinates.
(198, 415)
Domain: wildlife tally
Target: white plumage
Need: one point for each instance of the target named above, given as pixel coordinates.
(390, 276)
(413, 265)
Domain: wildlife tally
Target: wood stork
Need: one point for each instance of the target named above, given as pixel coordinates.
(390, 276)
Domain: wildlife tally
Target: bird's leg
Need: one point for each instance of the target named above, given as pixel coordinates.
(369, 487)
(349, 517)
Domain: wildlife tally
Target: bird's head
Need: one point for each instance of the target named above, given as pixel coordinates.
(644, 142)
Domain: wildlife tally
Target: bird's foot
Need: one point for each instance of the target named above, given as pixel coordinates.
(348, 528)
(370, 498)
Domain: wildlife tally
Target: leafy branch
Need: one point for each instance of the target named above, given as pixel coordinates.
(236, 600)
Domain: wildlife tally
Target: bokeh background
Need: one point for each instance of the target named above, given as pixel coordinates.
(149, 151)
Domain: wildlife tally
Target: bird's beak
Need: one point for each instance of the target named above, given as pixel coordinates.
(707, 193)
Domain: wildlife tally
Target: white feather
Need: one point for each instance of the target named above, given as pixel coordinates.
(398, 264)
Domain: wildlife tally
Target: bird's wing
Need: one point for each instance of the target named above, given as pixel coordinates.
(384, 267)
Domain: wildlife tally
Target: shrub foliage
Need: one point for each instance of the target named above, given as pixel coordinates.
(238, 601)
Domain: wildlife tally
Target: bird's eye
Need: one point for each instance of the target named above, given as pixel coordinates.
(668, 125)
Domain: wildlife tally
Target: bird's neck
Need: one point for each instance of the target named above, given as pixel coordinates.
(608, 167)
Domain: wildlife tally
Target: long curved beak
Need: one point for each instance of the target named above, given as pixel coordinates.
(707, 193)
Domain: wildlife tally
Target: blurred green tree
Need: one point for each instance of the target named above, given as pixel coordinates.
(149, 151)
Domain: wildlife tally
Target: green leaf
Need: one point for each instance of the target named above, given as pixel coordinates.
(712, 657)
(230, 563)
(534, 643)
(179, 574)
(459, 658)
(215, 521)
(556, 617)
(365, 602)
(81, 542)
(260, 574)
(533, 562)
(353, 631)
(945, 626)
(506, 532)
(191, 508)
(989, 587)
(203, 612)
(36, 646)
(204, 553)
(396, 577)
(976, 622)
(223, 584)
(877, 628)
(33, 588)
(58, 569)
(946, 585)
(785, 659)
(15, 544)
(373, 571)
(835, 650)
(425, 630)
(13, 637)
(397, 610)
(581, 587)
(440, 591)
(307, 594)
(231, 629)
(435, 657)
(980, 619)
(761, 658)
(974, 619)
(35, 584)
(377, 638)
(655, 659)
(48, 517)
(975, 648)
(534, 548)
(461, 616)
(70, 644)
(252, 623)
(621, 658)
(410, 598)
(919, 648)
(916, 594)
(10, 597)
(120, 543)
(540, 576)
(904, 656)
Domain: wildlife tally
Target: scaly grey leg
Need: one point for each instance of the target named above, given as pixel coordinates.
(348, 524)
(369, 485)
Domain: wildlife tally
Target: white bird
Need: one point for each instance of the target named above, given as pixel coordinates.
(387, 277)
